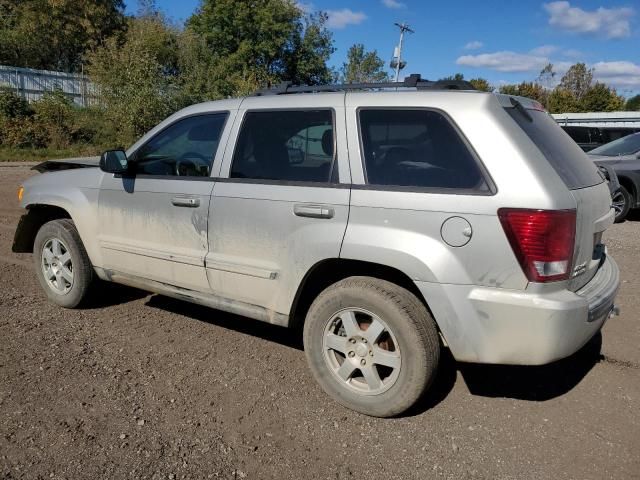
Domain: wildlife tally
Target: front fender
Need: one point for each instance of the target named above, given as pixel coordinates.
(74, 191)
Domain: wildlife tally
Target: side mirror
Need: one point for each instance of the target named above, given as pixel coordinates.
(114, 161)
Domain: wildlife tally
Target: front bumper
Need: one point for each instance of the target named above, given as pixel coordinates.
(494, 325)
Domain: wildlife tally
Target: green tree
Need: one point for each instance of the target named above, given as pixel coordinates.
(531, 90)
(601, 98)
(138, 76)
(363, 66)
(633, 104)
(547, 76)
(262, 42)
(55, 34)
(561, 100)
(577, 80)
(481, 84)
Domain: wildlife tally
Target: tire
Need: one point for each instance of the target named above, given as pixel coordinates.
(622, 204)
(64, 270)
(400, 363)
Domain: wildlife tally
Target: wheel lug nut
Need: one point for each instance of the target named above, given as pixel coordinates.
(364, 340)
(371, 352)
(352, 354)
(352, 340)
(363, 362)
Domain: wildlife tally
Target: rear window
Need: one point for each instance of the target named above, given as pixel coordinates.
(417, 148)
(564, 155)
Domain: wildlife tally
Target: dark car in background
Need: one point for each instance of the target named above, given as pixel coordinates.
(589, 138)
(623, 156)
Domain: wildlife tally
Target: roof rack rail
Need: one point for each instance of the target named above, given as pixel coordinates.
(412, 81)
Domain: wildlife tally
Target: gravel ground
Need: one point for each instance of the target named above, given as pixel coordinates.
(142, 386)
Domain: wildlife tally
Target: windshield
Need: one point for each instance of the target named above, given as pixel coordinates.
(623, 146)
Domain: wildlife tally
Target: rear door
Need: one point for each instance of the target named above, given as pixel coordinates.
(587, 185)
(282, 200)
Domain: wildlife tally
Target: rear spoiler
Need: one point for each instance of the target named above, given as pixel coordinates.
(54, 166)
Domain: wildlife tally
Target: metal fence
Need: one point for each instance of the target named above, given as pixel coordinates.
(31, 84)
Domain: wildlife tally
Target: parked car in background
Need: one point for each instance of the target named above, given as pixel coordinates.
(593, 129)
(589, 138)
(386, 224)
(623, 156)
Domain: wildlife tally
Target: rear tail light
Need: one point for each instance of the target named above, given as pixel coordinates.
(542, 241)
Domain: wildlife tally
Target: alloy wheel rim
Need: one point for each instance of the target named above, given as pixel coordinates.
(618, 202)
(361, 351)
(57, 266)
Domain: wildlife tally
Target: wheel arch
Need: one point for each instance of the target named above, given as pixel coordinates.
(329, 271)
(630, 186)
(36, 216)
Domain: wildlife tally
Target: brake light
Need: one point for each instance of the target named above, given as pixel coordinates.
(542, 241)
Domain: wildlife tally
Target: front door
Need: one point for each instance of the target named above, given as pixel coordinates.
(153, 222)
(279, 207)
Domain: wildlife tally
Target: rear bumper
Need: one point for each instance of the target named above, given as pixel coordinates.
(494, 325)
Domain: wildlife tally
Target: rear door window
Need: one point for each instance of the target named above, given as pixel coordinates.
(565, 156)
(285, 145)
(417, 148)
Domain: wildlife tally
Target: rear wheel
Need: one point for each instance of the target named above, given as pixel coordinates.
(371, 345)
(621, 203)
(62, 265)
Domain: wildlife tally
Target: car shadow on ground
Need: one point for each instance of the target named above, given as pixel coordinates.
(537, 383)
(273, 333)
(633, 216)
(107, 294)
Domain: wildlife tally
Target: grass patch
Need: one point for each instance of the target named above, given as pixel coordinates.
(12, 154)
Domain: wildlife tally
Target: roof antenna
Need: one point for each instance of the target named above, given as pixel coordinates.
(396, 62)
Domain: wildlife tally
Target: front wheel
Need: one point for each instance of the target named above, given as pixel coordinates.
(371, 345)
(62, 265)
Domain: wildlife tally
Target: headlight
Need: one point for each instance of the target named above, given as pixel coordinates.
(20, 193)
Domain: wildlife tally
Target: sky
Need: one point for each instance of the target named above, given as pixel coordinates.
(502, 41)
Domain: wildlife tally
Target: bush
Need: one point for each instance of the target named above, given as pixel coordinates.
(53, 113)
(11, 105)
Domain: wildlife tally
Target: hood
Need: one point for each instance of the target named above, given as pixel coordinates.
(67, 164)
(611, 160)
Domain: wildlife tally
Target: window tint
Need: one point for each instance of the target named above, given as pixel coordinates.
(416, 148)
(185, 149)
(292, 145)
(564, 155)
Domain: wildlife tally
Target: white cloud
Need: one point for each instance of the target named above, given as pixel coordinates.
(341, 18)
(544, 50)
(620, 74)
(306, 7)
(609, 22)
(393, 4)
(505, 61)
(572, 53)
(473, 45)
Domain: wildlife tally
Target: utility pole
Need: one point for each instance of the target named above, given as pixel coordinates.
(396, 61)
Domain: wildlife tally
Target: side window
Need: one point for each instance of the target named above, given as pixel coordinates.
(288, 145)
(416, 148)
(184, 149)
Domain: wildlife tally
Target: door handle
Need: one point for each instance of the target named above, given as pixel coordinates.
(313, 211)
(189, 202)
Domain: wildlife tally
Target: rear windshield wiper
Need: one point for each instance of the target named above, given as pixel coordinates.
(521, 109)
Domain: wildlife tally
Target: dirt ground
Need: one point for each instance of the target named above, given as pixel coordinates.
(142, 386)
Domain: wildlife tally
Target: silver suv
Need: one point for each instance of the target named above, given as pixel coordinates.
(389, 224)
